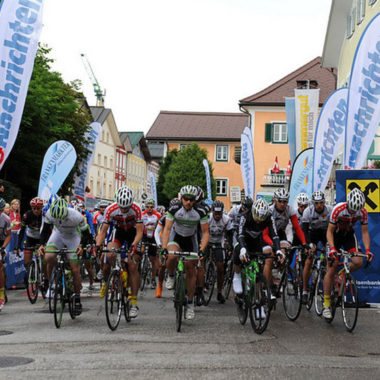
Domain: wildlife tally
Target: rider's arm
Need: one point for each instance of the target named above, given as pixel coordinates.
(241, 229)
(306, 231)
(273, 233)
(139, 234)
(157, 232)
(86, 237)
(330, 235)
(102, 234)
(365, 237)
(22, 230)
(298, 228)
(7, 239)
(166, 233)
(205, 236)
(45, 233)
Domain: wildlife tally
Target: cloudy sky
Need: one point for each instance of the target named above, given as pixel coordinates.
(177, 55)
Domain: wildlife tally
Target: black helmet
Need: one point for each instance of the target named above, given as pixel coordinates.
(2, 204)
(200, 194)
(218, 206)
(247, 202)
(174, 201)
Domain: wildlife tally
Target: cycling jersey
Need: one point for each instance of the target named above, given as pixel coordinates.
(234, 214)
(344, 220)
(33, 222)
(150, 222)
(315, 224)
(217, 228)
(159, 230)
(5, 225)
(123, 220)
(98, 218)
(186, 221)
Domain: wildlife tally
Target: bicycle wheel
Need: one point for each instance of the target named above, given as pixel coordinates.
(32, 286)
(51, 292)
(291, 293)
(210, 280)
(59, 301)
(259, 310)
(313, 281)
(113, 299)
(70, 301)
(318, 292)
(144, 272)
(127, 306)
(179, 300)
(241, 307)
(350, 303)
(228, 279)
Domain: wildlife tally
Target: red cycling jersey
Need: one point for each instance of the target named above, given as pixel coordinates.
(122, 220)
(344, 220)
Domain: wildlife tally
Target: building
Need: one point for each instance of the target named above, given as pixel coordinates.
(347, 21)
(268, 120)
(218, 133)
(102, 174)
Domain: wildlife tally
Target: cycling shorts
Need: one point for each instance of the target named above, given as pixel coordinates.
(59, 241)
(152, 249)
(218, 252)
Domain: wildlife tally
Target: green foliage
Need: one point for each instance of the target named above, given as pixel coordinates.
(53, 111)
(376, 164)
(187, 169)
(164, 167)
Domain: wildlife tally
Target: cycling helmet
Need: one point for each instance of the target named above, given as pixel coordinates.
(174, 201)
(302, 199)
(260, 210)
(37, 202)
(355, 200)
(318, 196)
(74, 202)
(149, 201)
(281, 194)
(59, 209)
(124, 197)
(161, 209)
(103, 203)
(188, 190)
(200, 194)
(218, 206)
(247, 202)
(2, 204)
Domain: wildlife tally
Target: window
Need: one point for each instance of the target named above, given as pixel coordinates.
(99, 159)
(221, 186)
(111, 162)
(276, 133)
(360, 11)
(237, 154)
(350, 27)
(105, 161)
(181, 146)
(371, 2)
(307, 84)
(221, 153)
(103, 135)
(108, 137)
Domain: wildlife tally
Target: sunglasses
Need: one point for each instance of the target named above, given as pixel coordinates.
(149, 207)
(318, 203)
(282, 201)
(36, 208)
(188, 199)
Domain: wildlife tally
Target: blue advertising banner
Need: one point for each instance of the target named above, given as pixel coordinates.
(247, 162)
(153, 187)
(58, 161)
(290, 109)
(368, 280)
(302, 173)
(208, 200)
(14, 264)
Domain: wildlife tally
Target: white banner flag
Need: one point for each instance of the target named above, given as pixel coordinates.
(363, 115)
(20, 27)
(329, 136)
(306, 102)
(247, 163)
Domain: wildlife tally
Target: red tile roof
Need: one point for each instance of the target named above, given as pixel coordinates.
(275, 93)
(172, 125)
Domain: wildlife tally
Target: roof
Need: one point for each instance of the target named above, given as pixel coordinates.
(176, 125)
(156, 150)
(134, 139)
(275, 94)
(100, 114)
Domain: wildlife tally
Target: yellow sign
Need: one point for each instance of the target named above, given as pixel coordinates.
(371, 190)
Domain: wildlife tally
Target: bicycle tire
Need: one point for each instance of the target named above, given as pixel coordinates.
(113, 300)
(291, 293)
(318, 293)
(350, 302)
(210, 280)
(127, 306)
(70, 301)
(33, 283)
(259, 309)
(310, 296)
(179, 300)
(144, 272)
(241, 308)
(59, 301)
(51, 293)
(227, 284)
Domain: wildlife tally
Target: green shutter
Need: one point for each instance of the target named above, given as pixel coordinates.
(268, 132)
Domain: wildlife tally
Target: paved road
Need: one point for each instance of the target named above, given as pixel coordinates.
(213, 346)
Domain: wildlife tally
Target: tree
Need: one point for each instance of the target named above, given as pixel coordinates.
(164, 167)
(53, 111)
(187, 169)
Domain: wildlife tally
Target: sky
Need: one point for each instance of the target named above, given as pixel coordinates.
(177, 55)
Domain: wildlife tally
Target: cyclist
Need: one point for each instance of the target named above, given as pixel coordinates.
(251, 234)
(33, 220)
(282, 213)
(315, 220)
(180, 234)
(5, 238)
(150, 218)
(157, 236)
(340, 233)
(126, 215)
(98, 217)
(66, 222)
(218, 223)
(235, 214)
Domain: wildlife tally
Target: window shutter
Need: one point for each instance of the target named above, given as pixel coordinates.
(268, 132)
(237, 154)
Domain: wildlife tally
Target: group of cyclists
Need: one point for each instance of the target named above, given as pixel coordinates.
(189, 225)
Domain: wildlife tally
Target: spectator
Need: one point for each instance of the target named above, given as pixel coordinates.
(7, 209)
(15, 216)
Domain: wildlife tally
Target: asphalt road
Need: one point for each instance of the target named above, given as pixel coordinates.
(213, 346)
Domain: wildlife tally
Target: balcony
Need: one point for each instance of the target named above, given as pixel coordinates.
(276, 180)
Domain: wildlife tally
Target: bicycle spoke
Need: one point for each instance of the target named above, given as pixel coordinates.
(350, 304)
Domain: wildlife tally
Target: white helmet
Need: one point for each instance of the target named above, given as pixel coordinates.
(355, 200)
(318, 196)
(281, 194)
(302, 199)
(260, 210)
(124, 197)
(189, 190)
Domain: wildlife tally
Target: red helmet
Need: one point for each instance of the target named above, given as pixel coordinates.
(37, 202)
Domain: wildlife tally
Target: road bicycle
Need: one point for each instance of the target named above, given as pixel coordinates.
(228, 276)
(290, 284)
(180, 291)
(117, 297)
(63, 286)
(36, 281)
(345, 292)
(255, 299)
(146, 266)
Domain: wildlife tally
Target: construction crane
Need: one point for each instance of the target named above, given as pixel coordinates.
(99, 93)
